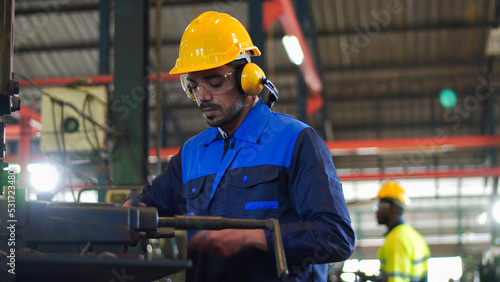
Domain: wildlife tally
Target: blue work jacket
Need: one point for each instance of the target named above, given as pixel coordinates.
(273, 166)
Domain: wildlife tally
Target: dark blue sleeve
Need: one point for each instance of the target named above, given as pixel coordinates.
(164, 192)
(324, 233)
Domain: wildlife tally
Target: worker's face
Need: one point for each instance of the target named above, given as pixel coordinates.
(382, 211)
(218, 107)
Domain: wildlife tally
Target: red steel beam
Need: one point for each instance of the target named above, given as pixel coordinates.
(16, 131)
(14, 159)
(432, 143)
(25, 128)
(29, 112)
(284, 11)
(361, 146)
(96, 79)
(25, 146)
(24, 133)
(271, 12)
(165, 152)
(291, 26)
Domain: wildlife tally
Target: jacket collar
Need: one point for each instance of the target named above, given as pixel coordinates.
(392, 227)
(250, 129)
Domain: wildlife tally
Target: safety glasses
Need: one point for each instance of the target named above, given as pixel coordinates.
(381, 205)
(215, 84)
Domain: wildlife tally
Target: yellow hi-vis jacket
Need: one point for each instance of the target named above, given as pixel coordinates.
(404, 255)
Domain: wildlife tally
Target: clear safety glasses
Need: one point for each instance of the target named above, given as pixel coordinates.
(215, 84)
(380, 206)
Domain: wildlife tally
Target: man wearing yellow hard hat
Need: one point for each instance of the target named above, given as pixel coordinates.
(251, 163)
(404, 255)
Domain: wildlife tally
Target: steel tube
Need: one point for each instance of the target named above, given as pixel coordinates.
(218, 223)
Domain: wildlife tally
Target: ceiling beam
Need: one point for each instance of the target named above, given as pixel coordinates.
(432, 143)
(389, 145)
(91, 79)
(38, 8)
(58, 47)
(480, 61)
(80, 46)
(421, 27)
(446, 173)
(50, 7)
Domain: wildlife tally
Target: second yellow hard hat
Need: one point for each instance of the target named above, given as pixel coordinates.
(391, 189)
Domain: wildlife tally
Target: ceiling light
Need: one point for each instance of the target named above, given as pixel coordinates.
(293, 50)
(496, 211)
(482, 218)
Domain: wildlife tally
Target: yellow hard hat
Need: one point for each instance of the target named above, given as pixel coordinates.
(212, 40)
(391, 189)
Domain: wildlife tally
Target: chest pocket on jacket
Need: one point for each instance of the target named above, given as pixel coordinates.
(196, 201)
(260, 187)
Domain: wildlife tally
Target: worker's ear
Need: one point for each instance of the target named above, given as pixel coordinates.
(250, 79)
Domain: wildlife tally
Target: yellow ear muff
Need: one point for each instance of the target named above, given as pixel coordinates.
(250, 79)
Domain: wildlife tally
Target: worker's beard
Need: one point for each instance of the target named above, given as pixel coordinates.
(225, 116)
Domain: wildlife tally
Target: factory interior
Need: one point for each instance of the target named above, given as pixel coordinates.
(399, 90)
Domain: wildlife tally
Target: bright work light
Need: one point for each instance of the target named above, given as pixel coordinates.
(293, 50)
(496, 211)
(43, 177)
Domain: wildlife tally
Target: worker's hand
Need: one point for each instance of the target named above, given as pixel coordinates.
(227, 242)
(132, 203)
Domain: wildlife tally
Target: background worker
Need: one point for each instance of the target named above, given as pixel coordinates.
(404, 255)
(250, 163)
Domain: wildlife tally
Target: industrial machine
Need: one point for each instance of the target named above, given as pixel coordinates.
(9, 89)
(48, 241)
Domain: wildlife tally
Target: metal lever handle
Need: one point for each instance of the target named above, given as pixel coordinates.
(218, 223)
